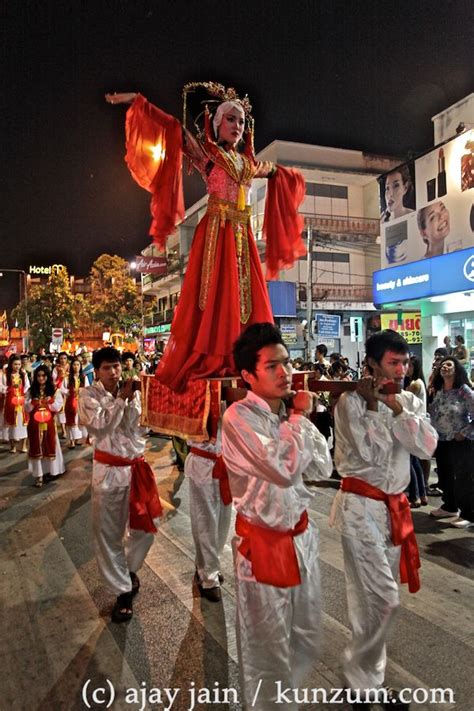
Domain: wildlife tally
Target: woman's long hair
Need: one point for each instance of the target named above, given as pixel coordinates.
(460, 375)
(49, 388)
(70, 380)
(13, 357)
(417, 371)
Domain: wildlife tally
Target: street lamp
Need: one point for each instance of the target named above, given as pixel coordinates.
(27, 318)
(133, 268)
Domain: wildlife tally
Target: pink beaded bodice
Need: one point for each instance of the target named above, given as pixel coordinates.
(220, 184)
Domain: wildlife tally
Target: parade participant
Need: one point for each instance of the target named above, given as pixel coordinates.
(60, 376)
(375, 435)
(26, 364)
(209, 511)
(129, 369)
(224, 288)
(14, 385)
(61, 369)
(76, 433)
(124, 495)
(44, 451)
(87, 367)
(269, 456)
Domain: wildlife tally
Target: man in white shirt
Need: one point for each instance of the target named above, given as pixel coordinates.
(125, 499)
(375, 435)
(268, 456)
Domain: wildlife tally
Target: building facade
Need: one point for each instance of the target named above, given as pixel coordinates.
(427, 249)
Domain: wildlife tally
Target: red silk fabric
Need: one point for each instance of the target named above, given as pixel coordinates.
(70, 406)
(403, 533)
(41, 435)
(145, 504)
(283, 225)
(272, 553)
(190, 414)
(147, 128)
(219, 472)
(201, 341)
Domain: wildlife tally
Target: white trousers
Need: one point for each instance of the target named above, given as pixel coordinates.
(210, 521)
(371, 572)
(278, 629)
(119, 550)
(41, 466)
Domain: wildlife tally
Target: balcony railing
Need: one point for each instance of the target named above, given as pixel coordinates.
(343, 224)
(158, 318)
(331, 292)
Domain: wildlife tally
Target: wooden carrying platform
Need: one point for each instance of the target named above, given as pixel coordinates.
(194, 413)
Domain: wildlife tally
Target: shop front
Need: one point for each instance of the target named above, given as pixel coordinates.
(441, 289)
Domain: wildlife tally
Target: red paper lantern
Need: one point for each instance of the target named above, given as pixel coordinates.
(18, 400)
(42, 416)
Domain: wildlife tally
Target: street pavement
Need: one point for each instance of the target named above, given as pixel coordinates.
(59, 650)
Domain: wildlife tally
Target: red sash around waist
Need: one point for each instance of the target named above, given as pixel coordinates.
(145, 502)
(272, 553)
(219, 472)
(401, 520)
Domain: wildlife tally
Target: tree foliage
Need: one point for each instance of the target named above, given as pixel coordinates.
(115, 299)
(113, 304)
(50, 305)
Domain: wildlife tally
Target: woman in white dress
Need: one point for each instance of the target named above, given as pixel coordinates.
(43, 402)
(76, 433)
(14, 385)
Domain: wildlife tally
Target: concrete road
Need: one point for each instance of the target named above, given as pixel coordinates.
(59, 651)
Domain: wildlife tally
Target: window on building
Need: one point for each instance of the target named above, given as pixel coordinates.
(331, 268)
(327, 199)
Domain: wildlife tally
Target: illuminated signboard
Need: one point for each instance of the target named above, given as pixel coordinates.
(46, 271)
(407, 325)
(426, 205)
(435, 276)
(153, 330)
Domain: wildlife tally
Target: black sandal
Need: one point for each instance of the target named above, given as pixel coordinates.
(122, 611)
(135, 583)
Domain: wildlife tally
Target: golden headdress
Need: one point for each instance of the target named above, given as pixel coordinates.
(219, 94)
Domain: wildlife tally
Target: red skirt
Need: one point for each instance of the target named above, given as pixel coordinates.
(224, 291)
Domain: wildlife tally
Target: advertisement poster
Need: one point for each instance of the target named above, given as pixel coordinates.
(407, 325)
(427, 205)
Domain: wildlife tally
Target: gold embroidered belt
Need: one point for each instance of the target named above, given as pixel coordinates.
(219, 212)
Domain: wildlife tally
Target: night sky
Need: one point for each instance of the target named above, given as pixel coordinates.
(365, 74)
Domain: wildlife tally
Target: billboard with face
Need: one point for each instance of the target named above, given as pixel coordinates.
(427, 205)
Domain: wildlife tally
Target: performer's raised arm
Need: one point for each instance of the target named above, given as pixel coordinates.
(123, 98)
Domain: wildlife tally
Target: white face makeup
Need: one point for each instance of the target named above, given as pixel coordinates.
(232, 126)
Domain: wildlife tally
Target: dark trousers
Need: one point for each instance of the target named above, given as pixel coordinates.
(455, 462)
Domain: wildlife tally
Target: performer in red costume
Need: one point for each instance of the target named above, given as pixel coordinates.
(14, 384)
(224, 290)
(43, 401)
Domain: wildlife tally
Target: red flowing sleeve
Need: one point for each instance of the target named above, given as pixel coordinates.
(154, 145)
(282, 225)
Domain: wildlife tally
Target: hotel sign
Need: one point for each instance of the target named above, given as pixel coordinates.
(46, 271)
